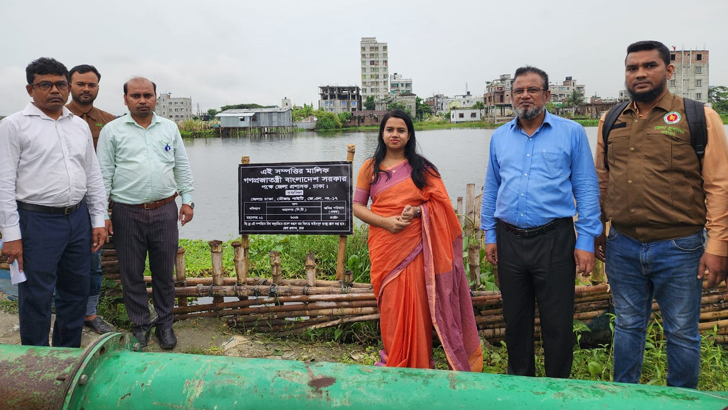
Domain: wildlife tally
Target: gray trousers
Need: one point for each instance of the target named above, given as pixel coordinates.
(136, 232)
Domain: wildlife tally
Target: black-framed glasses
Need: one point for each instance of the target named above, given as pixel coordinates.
(531, 90)
(47, 85)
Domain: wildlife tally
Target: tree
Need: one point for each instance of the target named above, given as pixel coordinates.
(398, 106)
(211, 113)
(245, 107)
(423, 110)
(575, 99)
(369, 104)
(327, 120)
(479, 105)
(344, 116)
(718, 96)
(301, 113)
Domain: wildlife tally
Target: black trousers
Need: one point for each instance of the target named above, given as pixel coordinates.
(538, 269)
(136, 232)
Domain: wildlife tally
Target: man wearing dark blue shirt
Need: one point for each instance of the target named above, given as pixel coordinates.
(540, 175)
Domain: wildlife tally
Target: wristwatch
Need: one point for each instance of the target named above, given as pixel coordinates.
(191, 205)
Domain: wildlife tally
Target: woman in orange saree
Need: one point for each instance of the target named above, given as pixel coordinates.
(415, 248)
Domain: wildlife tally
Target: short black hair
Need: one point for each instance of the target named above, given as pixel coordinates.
(83, 69)
(140, 78)
(529, 69)
(43, 66)
(650, 45)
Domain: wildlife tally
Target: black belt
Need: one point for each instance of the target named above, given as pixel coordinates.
(538, 230)
(67, 210)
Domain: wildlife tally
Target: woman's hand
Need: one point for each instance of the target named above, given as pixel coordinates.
(410, 212)
(394, 224)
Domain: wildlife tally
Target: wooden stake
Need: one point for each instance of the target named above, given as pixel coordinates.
(179, 267)
(275, 267)
(341, 256)
(217, 270)
(310, 270)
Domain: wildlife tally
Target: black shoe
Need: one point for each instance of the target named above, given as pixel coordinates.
(141, 335)
(98, 325)
(167, 339)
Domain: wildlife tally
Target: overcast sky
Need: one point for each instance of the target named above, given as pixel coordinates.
(228, 52)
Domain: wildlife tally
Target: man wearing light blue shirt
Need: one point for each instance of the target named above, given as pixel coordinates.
(144, 166)
(539, 165)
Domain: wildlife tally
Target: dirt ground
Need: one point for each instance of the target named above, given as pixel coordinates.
(213, 336)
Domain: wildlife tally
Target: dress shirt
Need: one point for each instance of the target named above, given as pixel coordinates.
(95, 118)
(532, 180)
(47, 162)
(144, 165)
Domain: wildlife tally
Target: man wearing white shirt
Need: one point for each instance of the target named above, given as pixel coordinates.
(52, 203)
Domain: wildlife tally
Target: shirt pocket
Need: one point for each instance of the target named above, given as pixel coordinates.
(555, 161)
(165, 151)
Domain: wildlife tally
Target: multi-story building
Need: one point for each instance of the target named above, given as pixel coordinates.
(498, 98)
(560, 92)
(690, 78)
(409, 100)
(399, 85)
(374, 68)
(337, 99)
(466, 100)
(175, 109)
(438, 103)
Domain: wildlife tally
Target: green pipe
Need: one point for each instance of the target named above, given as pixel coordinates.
(108, 375)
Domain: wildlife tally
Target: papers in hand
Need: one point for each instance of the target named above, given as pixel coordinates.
(16, 275)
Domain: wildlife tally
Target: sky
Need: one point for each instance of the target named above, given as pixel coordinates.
(230, 52)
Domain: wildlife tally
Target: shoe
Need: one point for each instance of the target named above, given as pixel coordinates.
(141, 335)
(98, 325)
(167, 339)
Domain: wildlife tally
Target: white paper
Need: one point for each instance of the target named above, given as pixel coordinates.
(16, 275)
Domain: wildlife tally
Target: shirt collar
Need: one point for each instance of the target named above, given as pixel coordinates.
(547, 119)
(91, 113)
(130, 120)
(664, 104)
(32, 110)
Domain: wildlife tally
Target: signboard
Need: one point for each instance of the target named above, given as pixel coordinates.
(295, 198)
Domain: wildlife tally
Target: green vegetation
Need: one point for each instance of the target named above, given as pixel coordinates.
(399, 106)
(302, 113)
(327, 121)
(369, 104)
(245, 107)
(198, 129)
(423, 110)
(344, 116)
(575, 99)
(587, 122)
(9, 306)
(479, 105)
(718, 96)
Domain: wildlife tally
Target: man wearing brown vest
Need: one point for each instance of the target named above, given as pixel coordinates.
(659, 199)
(84, 89)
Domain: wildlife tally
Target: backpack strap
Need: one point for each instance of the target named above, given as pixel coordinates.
(695, 116)
(609, 120)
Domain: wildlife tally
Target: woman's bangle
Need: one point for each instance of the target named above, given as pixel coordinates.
(418, 214)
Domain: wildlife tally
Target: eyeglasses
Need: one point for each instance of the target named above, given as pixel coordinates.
(531, 90)
(47, 85)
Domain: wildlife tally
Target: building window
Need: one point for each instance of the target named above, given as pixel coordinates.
(698, 96)
(672, 57)
(700, 57)
(672, 83)
(461, 115)
(698, 70)
(473, 115)
(698, 83)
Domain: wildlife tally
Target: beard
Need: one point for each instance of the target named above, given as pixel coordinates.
(529, 113)
(84, 99)
(647, 96)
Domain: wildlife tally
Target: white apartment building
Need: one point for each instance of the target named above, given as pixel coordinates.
(560, 92)
(690, 78)
(399, 85)
(175, 109)
(374, 68)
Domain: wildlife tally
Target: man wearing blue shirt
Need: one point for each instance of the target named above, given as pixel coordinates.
(144, 166)
(539, 165)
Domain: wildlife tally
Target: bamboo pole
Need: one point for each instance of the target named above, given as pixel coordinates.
(459, 212)
(254, 281)
(261, 301)
(332, 323)
(241, 272)
(180, 272)
(217, 270)
(275, 267)
(341, 256)
(201, 291)
(244, 243)
(310, 270)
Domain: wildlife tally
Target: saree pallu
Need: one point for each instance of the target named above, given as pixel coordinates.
(418, 275)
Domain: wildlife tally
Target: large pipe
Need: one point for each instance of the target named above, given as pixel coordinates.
(108, 375)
